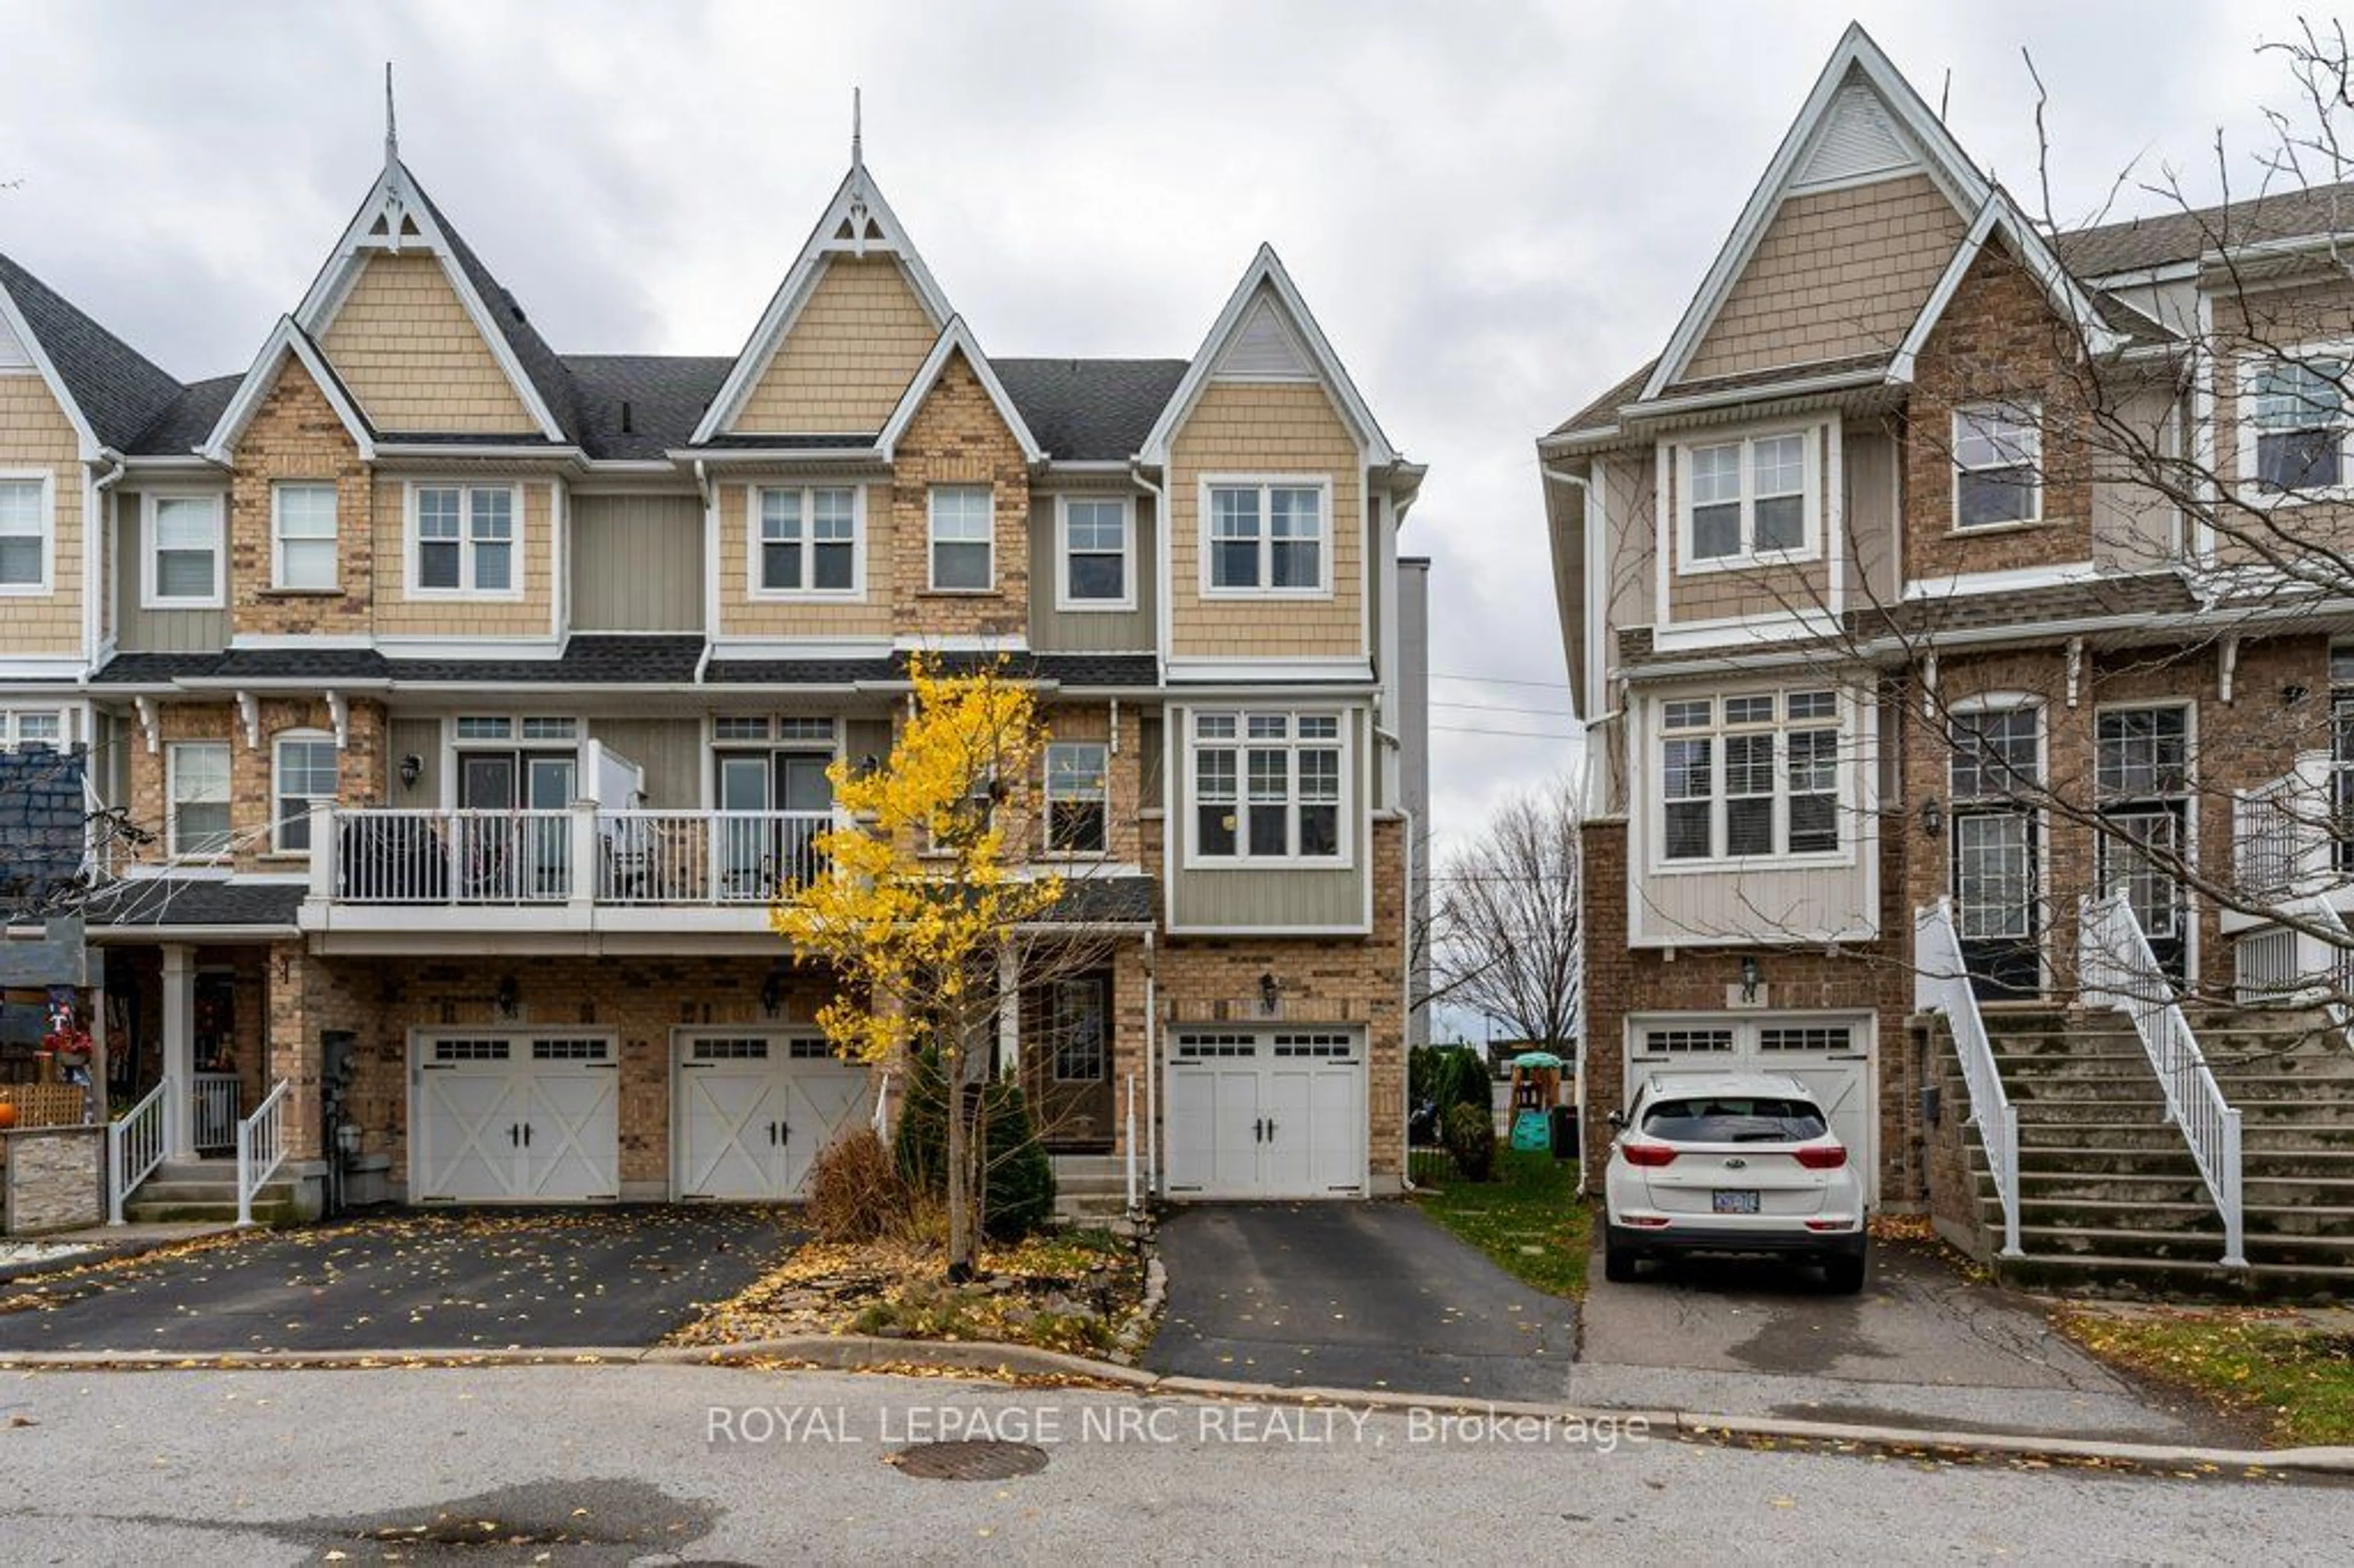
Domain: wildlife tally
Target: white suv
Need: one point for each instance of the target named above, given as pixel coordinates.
(1731, 1162)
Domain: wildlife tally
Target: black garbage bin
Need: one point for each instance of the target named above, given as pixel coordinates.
(1564, 1132)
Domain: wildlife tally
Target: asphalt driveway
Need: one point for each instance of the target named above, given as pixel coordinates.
(1922, 1347)
(464, 1279)
(1352, 1295)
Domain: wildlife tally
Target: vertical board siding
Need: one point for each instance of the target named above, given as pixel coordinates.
(420, 739)
(1091, 631)
(141, 630)
(637, 563)
(1271, 897)
(669, 750)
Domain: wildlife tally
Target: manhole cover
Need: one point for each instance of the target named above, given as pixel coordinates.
(975, 1461)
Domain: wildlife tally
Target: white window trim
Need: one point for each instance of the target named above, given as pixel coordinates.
(754, 548)
(2033, 809)
(1319, 483)
(1242, 859)
(1847, 719)
(171, 749)
(2031, 410)
(1063, 600)
(12, 728)
(1748, 557)
(278, 490)
(932, 539)
(48, 483)
(277, 788)
(1047, 796)
(2248, 491)
(149, 596)
(512, 593)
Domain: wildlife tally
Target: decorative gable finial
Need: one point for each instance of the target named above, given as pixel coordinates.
(857, 152)
(391, 125)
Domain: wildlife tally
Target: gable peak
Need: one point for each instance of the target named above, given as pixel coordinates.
(1858, 138)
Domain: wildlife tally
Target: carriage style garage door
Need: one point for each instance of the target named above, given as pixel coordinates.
(750, 1112)
(1831, 1054)
(515, 1118)
(1266, 1112)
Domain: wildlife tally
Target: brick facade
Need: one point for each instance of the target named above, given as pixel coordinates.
(959, 438)
(361, 773)
(295, 435)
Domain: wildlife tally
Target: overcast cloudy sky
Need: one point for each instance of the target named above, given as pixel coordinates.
(1496, 210)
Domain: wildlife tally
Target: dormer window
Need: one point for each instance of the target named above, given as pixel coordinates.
(1998, 466)
(1747, 500)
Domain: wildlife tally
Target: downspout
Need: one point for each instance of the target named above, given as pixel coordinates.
(1164, 580)
(1152, 1069)
(711, 570)
(1406, 1009)
(95, 533)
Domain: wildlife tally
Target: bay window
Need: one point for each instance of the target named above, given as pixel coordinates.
(1749, 776)
(1268, 785)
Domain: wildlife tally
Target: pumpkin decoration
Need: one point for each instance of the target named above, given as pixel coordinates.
(7, 1115)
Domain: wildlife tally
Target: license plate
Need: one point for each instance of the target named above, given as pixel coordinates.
(1727, 1201)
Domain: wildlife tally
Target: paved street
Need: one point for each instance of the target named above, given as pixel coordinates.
(1352, 1295)
(421, 1280)
(1920, 1347)
(612, 1464)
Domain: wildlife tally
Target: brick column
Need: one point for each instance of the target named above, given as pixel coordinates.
(295, 1018)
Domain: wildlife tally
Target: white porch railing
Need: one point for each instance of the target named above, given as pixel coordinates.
(217, 1111)
(1941, 983)
(2281, 839)
(135, 1146)
(706, 857)
(2117, 970)
(398, 856)
(260, 1149)
(581, 854)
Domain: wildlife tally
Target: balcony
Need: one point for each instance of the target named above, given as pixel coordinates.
(581, 874)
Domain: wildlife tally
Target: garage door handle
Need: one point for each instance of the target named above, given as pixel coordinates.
(784, 1132)
(1270, 1132)
(515, 1133)
(527, 1135)
(1259, 1130)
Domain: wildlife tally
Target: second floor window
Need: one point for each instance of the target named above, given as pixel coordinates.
(1998, 465)
(809, 541)
(1266, 786)
(306, 770)
(1750, 776)
(303, 537)
(465, 539)
(2300, 424)
(964, 538)
(1076, 796)
(199, 781)
(23, 729)
(1745, 500)
(1095, 570)
(1266, 537)
(24, 535)
(182, 569)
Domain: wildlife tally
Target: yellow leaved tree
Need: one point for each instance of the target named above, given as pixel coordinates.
(927, 895)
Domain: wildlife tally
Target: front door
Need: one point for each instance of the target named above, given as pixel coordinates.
(1067, 1054)
(1997, 849)
(504, 855)
(774, 805)
(2143, 777)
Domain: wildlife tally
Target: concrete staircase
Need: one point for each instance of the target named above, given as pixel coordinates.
(1090, 1188)
(204, 1191)
(2111, 1202)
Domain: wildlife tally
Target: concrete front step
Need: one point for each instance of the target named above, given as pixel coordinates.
(277, 1211)
(2171, 1280)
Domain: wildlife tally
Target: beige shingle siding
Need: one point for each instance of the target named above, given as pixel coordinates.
(397, 615)
(35, 434)
(404, 346)
(1247, 428)
(1836, 273)
(858, 341)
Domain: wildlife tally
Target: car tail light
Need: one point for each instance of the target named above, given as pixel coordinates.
(1835, 1222)
(1821, 1156)
(1647, 1221)
(1646, 1153)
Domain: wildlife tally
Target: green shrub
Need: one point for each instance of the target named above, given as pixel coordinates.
(1018, 1179)
(1470, 1132)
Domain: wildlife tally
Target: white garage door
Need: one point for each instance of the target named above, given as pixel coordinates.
(515, 1118)
(1266, 1112)
(1832, 1055)
(751, 1111)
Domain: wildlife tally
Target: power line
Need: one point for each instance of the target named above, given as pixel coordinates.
(1511, 734)
(1501, 681)
(1499, 708)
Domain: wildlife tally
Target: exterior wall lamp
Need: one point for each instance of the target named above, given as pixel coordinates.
(1933, 818)
(412, 768)
(1752, 976)
(509, 997)
(1271, 994)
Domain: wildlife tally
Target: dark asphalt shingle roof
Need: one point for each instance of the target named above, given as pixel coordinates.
(588, 658)
(1067, 669)
(119, 391)
(189, 420)
(664, 394)
(1106, 900)
(193, 901)
(815, 442)
(2184, 235)
(1090, 410)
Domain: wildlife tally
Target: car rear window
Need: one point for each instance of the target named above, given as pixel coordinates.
(1733, 1119)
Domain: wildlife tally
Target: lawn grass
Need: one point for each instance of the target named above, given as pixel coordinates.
(1530, 1220)
(2295, 1379)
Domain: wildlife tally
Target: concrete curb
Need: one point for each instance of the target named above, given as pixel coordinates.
(853, 1353)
